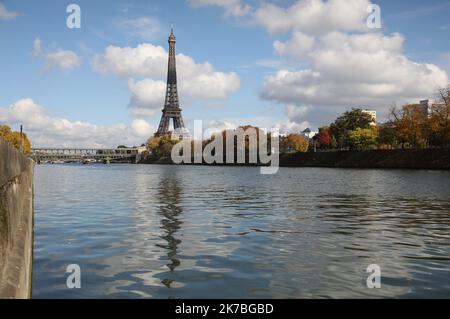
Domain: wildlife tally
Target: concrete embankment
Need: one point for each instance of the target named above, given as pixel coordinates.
(432, 159)
(16, 223)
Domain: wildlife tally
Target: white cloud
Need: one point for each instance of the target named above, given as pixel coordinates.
(292, 127)
(297, 46)
(314, 16)
(366, 70)
(141, 128)
(60, 59)
(296, 113)
(47, 131)
(234, 8)
(144, 60)
(63, 59)
(285, 126)
(5, 14)
(37, 47)
(343, 63)
(197, 80)
(266, 123)
(147, 96)
(145, 28)
(214, 127)
(215, 85)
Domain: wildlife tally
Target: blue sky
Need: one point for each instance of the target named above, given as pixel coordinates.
(249, 78)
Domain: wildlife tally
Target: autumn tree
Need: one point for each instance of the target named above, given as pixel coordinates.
(439, 119)
(244, 140)
(152, 143)
(17, 139)
(324, 138)
(161, 146)
(411, 125)
(295, 142)
(5, 132)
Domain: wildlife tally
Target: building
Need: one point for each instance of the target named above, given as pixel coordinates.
(425, 106)
(172, 110)
(373, 114)
(309, 134)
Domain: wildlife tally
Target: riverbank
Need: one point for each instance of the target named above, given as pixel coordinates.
(16, 223)
(432, 159)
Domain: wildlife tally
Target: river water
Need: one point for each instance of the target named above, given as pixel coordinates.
(151, 231)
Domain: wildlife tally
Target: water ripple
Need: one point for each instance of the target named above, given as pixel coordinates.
(228, 232)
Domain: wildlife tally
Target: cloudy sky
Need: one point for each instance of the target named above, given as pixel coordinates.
(284, 63)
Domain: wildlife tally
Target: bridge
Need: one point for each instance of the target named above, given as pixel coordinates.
(129, 155)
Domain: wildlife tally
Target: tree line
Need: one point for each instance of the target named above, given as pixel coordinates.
(411, 126)
(161, 146)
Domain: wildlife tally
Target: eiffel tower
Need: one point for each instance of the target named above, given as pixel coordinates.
(172, 108)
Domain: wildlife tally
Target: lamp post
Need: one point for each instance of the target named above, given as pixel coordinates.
(21, 138)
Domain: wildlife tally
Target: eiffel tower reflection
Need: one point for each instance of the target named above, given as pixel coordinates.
(170, 210)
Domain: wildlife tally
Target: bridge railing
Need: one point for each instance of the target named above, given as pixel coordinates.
(88, 153)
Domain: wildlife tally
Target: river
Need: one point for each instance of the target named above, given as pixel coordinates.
(155, 231)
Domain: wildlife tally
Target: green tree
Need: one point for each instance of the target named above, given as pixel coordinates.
(333, 144)
(363, 138)
(386, 135)
(349, 121)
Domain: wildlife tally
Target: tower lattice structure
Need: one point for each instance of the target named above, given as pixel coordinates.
(172, 108)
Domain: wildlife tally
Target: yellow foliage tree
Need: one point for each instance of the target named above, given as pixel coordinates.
(411, 125)
(153, 144)
(295, 142)
(19, 141)
(161, 146)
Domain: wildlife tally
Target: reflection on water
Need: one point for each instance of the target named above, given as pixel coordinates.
(170, 210)
(191, 232)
